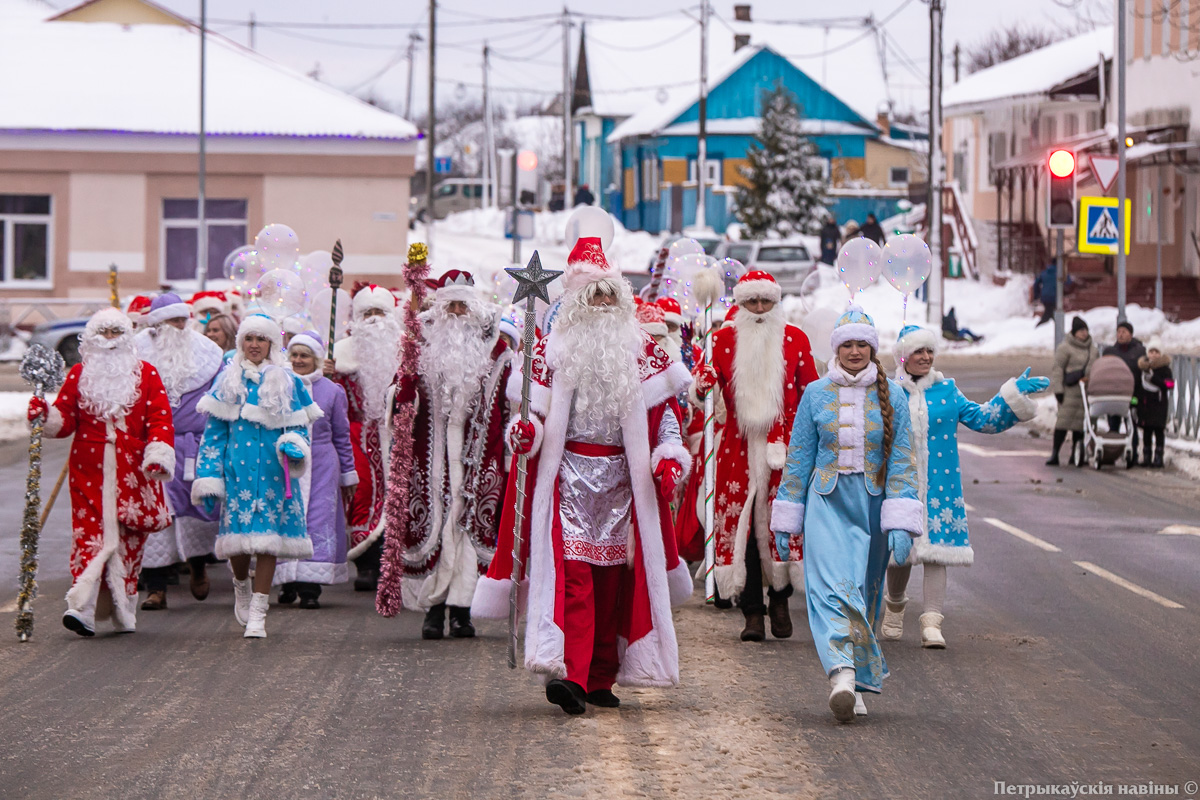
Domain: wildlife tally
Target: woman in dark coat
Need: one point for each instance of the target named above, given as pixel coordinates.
(1156, 381)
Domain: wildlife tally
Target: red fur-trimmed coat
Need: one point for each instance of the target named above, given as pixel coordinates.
(115, 504)
(657, 578)
(749, 468)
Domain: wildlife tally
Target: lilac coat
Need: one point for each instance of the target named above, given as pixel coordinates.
(189, 429)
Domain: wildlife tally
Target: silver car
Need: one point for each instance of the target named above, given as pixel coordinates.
(789, 261)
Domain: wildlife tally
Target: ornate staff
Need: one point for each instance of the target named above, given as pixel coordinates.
(656, 275)
(114, 295)
(707, 287)
(44, 369)
(335, 283)
(532, 282)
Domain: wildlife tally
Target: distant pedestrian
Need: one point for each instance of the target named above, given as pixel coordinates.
(872, 230)
(1129, 350)
(584, 196)
(1045, 290)
(1156, 382)
(831, 240)
(951, 330)
(851, 231)
(1072, 360)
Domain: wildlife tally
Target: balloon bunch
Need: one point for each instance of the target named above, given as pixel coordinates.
(280, 283)
(905, 262)
(686, 260)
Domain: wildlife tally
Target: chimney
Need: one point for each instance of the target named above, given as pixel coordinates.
(881, 119)
(740, 40)
(741, 13)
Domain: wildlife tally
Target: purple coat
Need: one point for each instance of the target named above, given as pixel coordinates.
(189, 429)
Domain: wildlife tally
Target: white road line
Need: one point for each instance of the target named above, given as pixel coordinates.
(9, 607)
(1124, 584)
(1020, 534)
(986, 452)
(969, 508)
(1181, 530)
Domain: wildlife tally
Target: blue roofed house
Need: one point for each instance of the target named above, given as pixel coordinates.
(637, 116)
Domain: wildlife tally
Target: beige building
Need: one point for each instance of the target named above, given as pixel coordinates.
(99, 156)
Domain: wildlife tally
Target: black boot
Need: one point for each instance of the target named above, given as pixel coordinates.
(309, 592)
(777, 610)
(604, 698)
(435, 622)
(1158, 457)
(567, 695)
(460, 622)
(367, 565)
(287, 594)
(1059, 437)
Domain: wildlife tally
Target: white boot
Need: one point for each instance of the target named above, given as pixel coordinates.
(931, 631)
(241, 600)
(860, 708)
(893, 618)
(256, 624)
(82, 620)
(841, 696)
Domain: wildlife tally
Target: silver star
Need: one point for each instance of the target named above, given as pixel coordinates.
(532, 280)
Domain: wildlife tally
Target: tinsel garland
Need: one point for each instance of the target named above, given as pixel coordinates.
(395, 509)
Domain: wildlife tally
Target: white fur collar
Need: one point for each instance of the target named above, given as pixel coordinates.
(842, 378)
(918, 384)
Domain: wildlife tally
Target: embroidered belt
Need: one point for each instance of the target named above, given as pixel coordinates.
(592, 449)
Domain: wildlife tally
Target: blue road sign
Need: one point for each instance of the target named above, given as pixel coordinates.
(441, 165)
(1098, 229)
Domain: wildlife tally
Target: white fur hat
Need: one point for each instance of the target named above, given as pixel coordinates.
(455, 285)
(373, 296)
(311, 340)
(854, 326)
(263, 326)
(107, 319)
(167, 306)
(913, 338)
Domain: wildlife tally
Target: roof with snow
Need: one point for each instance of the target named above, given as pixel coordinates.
(103, 77)
(1034, 73)
(634, 66)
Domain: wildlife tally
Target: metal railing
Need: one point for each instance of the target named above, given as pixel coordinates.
(1184, 406)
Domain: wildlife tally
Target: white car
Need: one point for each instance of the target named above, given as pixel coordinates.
(789, 261)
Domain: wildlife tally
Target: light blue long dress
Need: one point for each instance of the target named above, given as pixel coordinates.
(833, 494)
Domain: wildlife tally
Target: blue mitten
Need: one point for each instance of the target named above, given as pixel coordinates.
(210, 504)
(1028, 385)
(783, 545)
(292, 451)
(900, 544)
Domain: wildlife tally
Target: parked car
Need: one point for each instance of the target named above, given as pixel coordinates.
(63, 336)
(709, 241)
(449, 196)
(790, 261)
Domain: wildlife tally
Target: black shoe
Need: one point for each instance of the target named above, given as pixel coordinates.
(722, 603)
(755, 630)
(1053, 462)
(567, 695)
(287, 595)
(435, 622)
(604, 698)
(781, 618)
(367, 581)
(460, 623)
(309, 601)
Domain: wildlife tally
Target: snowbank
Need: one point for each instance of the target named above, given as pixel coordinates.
(12, 415)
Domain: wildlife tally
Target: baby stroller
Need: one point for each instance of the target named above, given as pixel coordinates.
(1108, 392)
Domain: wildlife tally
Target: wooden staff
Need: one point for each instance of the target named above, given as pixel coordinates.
(335, 283)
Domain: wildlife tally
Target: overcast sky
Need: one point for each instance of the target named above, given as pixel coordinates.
(371, 61)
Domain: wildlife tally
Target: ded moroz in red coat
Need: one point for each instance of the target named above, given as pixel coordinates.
(114, 503)
(656, 579)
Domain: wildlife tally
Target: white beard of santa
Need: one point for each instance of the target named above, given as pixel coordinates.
(377, 351)
(174, 359)
(758, 369)
(455, 356)
(111, 375)
(674, 348)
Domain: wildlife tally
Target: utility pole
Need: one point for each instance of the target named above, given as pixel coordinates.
(413, 38)
(933, 209)
(486, 155)
(201, 217)
(957, 60)
(568, 195)
(431, 138)
(1121, 188)
(253, 24)
(702, 138)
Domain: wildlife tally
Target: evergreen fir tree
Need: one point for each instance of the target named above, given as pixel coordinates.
(787, 193)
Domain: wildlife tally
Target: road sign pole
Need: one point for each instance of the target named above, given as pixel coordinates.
(1158, 212)
(1060, 278)
(1121, 188)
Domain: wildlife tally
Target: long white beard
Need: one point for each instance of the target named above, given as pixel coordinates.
(111, 375)
(758, 370)
(674, 349)
(455, 358)
(377, 351)
(594, 350)
(174, 359)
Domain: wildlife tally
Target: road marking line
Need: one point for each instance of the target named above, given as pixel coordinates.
(976, 450)
(968, 508)
(1020, 534)
(1124, 584)
(9, 607)
(1181, 530)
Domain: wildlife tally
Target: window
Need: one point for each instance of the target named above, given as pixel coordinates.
(25, 238)
(778, 254)
(898, 176)
(739, 252)
(997, 149)
(1147, 204)
(650, 181)
(1093, 120)
(712, 171)
(226, 224)
(1071, 125)
(1050, 130)
(447, 189)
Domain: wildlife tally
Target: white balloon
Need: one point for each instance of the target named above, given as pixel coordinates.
(278, 246)
(278, 294)
(907, 262)
(588, 222)
(818, 326)
(319, 311)
(244, 267)
(858, 264)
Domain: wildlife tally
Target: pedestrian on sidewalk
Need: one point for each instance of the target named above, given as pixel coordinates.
(115, 405)
(849, 495)
(1129, 350)
(254, 452)
(328, 485)
(936, 408)
(1072, 360)
(1156, 382)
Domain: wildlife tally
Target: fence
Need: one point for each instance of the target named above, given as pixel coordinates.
(1184, 420)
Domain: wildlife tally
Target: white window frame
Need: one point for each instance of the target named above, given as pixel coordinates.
(194, 224)
(8, 221)
(712, 166)
(1145, 226)
(649, 178)
(892, 182)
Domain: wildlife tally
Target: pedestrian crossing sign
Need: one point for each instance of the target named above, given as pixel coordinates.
(1098, 225)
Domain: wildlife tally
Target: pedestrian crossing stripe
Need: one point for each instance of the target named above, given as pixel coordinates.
(1098, 230)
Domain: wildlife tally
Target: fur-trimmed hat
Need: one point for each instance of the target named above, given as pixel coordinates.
(587, 264)
(455, 284)
(138, 307)
(913, 338)
(209, 301)
(107, 319)
(512, 324)
(854, 326)
(372, 296)
(757, 284)
(263, 326)
(312, 340)
(671, 310)
(1155, 343)
(167, 306)
(651, 318)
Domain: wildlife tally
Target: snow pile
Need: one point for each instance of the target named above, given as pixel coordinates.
(14, 350)
(13, 406)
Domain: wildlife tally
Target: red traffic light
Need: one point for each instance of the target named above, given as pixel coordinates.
(1062, 163)
(527, 160)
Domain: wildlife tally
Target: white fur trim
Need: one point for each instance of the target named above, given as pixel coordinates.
(457, 292)
(748, 290)
(263, 326)
(680, 583)
(776, 455)
(313, 344)
(902, 514)
(238, 544)
(53, 424)
(159, 454)
(491, 598)
(914, 341)
(172, 311)
(298, 440)
(1022, 406)
(207, 487)
(851, 456)
(84, 588)
(946, 554)
(672, 317)
(672, 451)
(538, 433)
(372, 537)
(377, 297)
(260, 416)
(348, 479)
(787, 517)
(854, 332)
(539, 396)
(667, 384)
(215, 408)
(654, 328)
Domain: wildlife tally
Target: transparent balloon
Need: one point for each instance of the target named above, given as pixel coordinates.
(818, 326)
(731, 272)
(244, 267)
(313, 269)
(590, 222)
(684, 247)
(677, 279)
(278, 246)
(278, 294)
(858, 264)
(907, 262)
(318, 309)
(809, 288)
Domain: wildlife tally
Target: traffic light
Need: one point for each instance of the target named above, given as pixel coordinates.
(1060, 199)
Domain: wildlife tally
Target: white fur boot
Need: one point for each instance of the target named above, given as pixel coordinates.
(256, 624)
(893, 618)
(860, 707)
(842, 696)
(241, 600)
(931, 631)
(82, 620)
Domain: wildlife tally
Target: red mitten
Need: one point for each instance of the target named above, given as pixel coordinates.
(37, 408)
(406, 390)
(521, 437)
(668, 473)
(706, 379)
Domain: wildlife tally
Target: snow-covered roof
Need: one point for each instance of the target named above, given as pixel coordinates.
(91, 76)
(1034, 73)
(634, 66)
(750, 126)
(25, 10)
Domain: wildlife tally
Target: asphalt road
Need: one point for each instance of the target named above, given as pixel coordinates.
(1054, 674)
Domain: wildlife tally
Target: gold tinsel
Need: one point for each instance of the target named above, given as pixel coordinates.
(30, 528)
(417, 252)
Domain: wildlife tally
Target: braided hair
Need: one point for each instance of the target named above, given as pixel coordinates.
(884, 390)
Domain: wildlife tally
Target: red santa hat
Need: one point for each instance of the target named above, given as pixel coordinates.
(455, 285)
(757, 284)
(209, 301)
(587, 264)
(372, 296)
(138, 307)
(671, 310)
(652, 319)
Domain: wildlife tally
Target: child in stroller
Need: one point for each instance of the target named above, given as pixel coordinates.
(1108, 392)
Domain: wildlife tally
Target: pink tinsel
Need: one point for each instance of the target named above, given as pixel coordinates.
(391, 568)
